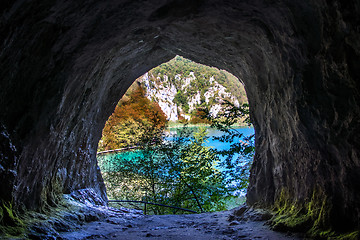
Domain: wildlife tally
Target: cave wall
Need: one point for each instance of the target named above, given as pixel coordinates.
(316, 145)
(65, 64)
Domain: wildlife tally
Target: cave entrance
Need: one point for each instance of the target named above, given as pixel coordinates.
(179, 140)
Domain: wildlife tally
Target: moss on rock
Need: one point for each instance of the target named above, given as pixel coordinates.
(310, 217)
(11, 225)
(51, 195)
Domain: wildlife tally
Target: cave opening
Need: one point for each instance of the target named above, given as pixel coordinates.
(174, 102)
(64, 65)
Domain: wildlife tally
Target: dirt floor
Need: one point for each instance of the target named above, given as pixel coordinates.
(206, 226)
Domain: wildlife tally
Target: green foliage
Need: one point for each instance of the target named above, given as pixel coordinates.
(183, 172)
(175, 173)
(196, 169)
(239, 157)
(181, 100)
(183, 67)
(179, 172)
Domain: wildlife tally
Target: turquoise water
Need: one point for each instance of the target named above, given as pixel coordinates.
(247, 131)
(114, 162)
(108, 161)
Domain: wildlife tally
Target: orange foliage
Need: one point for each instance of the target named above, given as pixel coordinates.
(200, 117)
(134, 115)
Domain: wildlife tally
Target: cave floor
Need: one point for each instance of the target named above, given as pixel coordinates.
(204, 226)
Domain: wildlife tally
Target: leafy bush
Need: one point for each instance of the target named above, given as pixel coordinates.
(176, 173)
(134, 118)
(239, 157)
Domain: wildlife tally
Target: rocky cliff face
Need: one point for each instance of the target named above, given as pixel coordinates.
(164, 92)
(65, 64)
(164, 96)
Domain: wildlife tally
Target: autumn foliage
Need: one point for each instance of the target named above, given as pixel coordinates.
(134, 116)
(200, 116)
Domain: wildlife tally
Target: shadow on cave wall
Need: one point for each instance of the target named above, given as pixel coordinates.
(64, 65)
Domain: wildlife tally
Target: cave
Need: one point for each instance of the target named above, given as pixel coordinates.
(64, 65)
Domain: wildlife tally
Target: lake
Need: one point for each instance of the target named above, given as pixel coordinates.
(211, 132)
(107, 161)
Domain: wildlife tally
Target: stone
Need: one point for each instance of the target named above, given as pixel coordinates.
(245, 213)
(239, 211)
(65, 64)
(233, 223)
(68, 221)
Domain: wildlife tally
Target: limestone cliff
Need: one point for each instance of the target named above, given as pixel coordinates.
(166, 91)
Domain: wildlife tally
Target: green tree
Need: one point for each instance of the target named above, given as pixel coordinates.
(180, 98)
(192, 167)
(177, 172)
(239, 157)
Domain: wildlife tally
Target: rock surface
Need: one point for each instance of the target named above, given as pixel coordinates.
(206, 226)
(84, 216)
(81, 207)
(195, 85)
(65, 64)
(164, 96)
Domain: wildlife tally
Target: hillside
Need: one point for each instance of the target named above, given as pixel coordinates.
(181, 86)
(173, 91)
(135, 118)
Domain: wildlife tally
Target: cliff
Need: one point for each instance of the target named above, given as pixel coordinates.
(180, 86)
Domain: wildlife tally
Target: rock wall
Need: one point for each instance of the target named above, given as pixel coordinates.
(163, 91)
(164, 96)
(65, 64)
